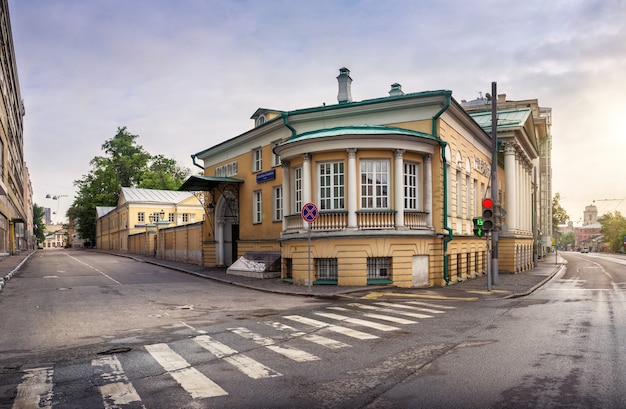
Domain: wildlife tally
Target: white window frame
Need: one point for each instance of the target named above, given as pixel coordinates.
(141, 217)
(257, 160)
(277, 203)
(375, 183)
(459, 194)
(297, 189)
(257, 208)
(275, 158)
(413, 186)
(332, 185)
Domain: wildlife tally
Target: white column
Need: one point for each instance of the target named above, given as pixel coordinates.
(428, 189)
(287, 205)
(219, 238)
(398, 194)
(510, 171)
(306, 183)
(306, 178)
(352, 189)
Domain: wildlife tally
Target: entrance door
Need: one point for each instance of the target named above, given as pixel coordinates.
(420, 271)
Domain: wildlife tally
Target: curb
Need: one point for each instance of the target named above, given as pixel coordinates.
(4, 280)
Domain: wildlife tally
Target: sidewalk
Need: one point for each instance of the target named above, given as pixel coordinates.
(508, 285)
(10, 265)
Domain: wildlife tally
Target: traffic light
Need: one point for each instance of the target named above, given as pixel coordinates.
(478, 227)
(488, 221)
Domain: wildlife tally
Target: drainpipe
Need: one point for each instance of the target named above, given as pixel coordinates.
(286, 123)
(193, 158)
(443, 145)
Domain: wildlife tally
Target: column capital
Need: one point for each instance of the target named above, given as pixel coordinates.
(351, 152)
(398, 153)
(285, 163)
(306, 157)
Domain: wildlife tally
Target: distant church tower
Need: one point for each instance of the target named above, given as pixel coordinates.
(591, 215)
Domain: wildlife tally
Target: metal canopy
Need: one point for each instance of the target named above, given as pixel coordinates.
(197, 183)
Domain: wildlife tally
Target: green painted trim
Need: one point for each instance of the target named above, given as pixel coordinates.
(379, 281)
(288, 280)
(325, 282)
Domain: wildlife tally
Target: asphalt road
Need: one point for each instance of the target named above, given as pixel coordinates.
(85, 330)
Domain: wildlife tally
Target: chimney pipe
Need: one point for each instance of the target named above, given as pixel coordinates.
(345, 93)
(396, 89)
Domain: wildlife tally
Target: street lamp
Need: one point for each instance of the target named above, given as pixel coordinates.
(158, 220)
(56, 197)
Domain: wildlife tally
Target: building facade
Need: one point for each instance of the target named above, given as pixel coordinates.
(15, 194)
(367, 192)
(141, 209)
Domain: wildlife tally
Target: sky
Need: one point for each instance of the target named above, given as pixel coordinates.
(185, 75)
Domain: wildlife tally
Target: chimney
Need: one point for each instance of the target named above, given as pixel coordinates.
(396, 89)
(501, 97)
(345, 93)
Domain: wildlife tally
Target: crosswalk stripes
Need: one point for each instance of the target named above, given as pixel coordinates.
(317, 339)
(292, 353)
(244, 363)
(36, 389)
(116, 389)
(189, 378)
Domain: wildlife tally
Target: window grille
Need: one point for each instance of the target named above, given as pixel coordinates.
(326, 268)
(378, 268)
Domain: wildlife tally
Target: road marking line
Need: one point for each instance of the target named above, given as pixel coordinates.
(289, 352)
(335, 328)
(244, 363)
(364, 323)
(36, 389)
(317, 339)
(392, 310)
(397, 320)
(190, 379)
(119, 390)
(386, 304)
(93, 268)
(375, 295)
(426, 304)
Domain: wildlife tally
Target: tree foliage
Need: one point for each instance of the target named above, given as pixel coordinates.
(559, 215)
(39, 228)
(125, 164)
(613, 229)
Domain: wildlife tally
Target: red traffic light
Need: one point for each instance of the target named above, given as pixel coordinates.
(487, 203)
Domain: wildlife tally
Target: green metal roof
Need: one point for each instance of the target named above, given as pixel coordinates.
(357, 130)
(197, 183)
(510, 118)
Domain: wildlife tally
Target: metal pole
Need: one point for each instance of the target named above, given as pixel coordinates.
(488, 265)
(309, 262)
(494, 176)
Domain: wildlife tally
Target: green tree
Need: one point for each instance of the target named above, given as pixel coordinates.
(163, 173)
(613, 229)
(39, 228)
(559, 215)
(567, 238)
(125, 164)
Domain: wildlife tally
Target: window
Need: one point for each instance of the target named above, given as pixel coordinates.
(226, 170)
(260, 120)
(375, 184)
(412, 196)
(331, 186)
(277, 200)
(171, 218)
(257, 160)
(326, 268)
(257, 216)
(185, 217)
(141, 217)
(275, 158)
(468, 198)
(297, 180)
(459, 194)
(378, 268)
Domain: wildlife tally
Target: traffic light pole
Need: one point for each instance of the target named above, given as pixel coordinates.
(494, 178)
